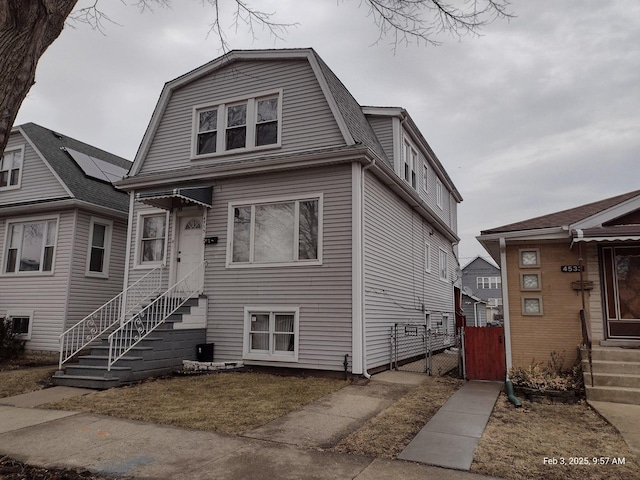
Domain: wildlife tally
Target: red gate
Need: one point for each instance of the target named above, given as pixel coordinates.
(484, 353)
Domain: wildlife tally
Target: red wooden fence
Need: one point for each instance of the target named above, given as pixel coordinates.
(484, 353)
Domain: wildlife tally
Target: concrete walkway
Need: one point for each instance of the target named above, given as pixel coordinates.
(449, 439)
(625, 418)
(288, 448)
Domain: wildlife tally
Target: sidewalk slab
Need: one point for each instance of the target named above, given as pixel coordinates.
(381, 469)
(449, 439)
(46, 395)
(625, 418)
(18, 418)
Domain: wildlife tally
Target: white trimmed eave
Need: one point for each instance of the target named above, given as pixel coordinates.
(44, 160)
(607, 215)
(491, 241)
(231, 57)
(64, 204)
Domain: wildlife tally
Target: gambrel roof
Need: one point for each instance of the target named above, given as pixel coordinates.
(352, 122)
(52, 147)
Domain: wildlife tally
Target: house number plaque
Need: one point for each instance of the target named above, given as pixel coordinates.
(571, 268)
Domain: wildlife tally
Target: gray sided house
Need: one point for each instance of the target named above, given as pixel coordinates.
(305, 224)
(482, 279)
(62, 232)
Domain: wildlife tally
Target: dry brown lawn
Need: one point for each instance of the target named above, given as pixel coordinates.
(16, 382)
(517, 441)
(389, 432)
(231, 402)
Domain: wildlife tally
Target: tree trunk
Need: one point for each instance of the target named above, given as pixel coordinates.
(27, 28)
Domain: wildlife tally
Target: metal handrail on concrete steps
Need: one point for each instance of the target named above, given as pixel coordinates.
(115, 310)
(138, 327)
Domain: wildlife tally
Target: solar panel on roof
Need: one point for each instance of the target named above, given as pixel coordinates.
(96, 168)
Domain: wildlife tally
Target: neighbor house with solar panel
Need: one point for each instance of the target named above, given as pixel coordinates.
(62, 229)
(274, 221)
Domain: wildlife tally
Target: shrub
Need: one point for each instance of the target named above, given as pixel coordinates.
(11, 346)
(551, 376)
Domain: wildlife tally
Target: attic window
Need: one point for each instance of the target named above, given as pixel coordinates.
(11, 168)
(238, 125)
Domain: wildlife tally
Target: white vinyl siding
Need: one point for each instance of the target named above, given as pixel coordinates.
(307, 120)
(396, 282)
(37, 181)
(17, 290)
(321, 292)
(88, 292)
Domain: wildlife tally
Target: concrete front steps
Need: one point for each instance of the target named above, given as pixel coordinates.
(160, 353)
(616, 374)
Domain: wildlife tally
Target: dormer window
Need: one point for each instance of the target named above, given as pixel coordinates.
(238, 125)
(11, 168)
(410, 161)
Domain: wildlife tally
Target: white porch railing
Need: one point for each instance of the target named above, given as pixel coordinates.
(118, 308)
(134, 330)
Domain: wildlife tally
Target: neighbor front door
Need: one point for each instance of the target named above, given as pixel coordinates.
(190, 245)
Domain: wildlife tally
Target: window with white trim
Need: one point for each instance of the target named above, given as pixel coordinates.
(245, 124)
(443, 265)
(427, 257)
(425, 178)
(152, 238)
(410, 159)
(99, 250)
(30, 246)
(11, 168)
(439, 193)
(488, 282)
(276, 232)
(20, 322)
(271, 333)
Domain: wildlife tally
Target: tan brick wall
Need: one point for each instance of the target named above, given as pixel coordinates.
(534, 337)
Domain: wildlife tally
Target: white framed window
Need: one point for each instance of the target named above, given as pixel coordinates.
(425, 178)
(238, 125)
(488, 282)
(529, 258)
(283, 231)
(532, 305)
(445, 323)
(494, 302)
(427, 257)
(21, 322)
(410, 160)
(439, 193)
(99, 248)
(271, 333)
(30, 246)
(11, 168)
(151, 243)
(443, 265)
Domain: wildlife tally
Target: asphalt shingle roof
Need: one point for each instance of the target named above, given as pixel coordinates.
(50, 143)
(564, 217)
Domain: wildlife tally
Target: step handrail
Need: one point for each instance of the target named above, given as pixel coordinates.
(91, 327)
(138, 327)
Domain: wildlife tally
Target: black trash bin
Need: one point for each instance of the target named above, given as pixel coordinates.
(204, 352)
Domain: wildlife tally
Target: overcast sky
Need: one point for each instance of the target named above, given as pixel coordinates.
(539, 114)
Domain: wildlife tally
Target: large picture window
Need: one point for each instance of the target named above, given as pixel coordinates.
(278, 232)
(238, 125)
(271, 333)
(30, 246)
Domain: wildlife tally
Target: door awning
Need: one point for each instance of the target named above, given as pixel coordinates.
(616, 233)
(177, 197)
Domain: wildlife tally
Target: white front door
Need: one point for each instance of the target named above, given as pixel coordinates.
(190, 245)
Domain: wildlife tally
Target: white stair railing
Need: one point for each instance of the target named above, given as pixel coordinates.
(102, 319)
(134, 330)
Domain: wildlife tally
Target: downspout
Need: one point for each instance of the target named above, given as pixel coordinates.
(475, 313)
(507, 323)
(127, 255)
(505, 304)
(362, 260)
